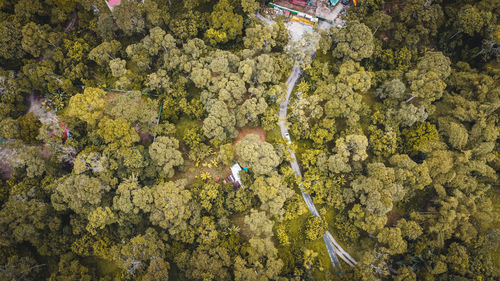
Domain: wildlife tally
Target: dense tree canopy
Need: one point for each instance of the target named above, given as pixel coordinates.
(120, 129)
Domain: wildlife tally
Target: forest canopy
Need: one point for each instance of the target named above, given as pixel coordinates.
(211, 140)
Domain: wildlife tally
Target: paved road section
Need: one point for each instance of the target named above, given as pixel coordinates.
(332, 246)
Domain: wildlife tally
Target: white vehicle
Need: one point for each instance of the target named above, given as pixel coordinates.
(287, 136)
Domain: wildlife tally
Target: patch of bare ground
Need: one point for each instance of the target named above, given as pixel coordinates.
(242, 132)
(239, 221)
(35, 106)
(6, 169)
(110, 96)
(392, 218)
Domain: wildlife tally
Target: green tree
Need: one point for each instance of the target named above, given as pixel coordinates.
(220, 122)
(394, 89)
(80, 193)
(354, 41)
(30, 221)
(418, 135)
(354, 76)
(69, 268)
(118, 67)
(134, 255)
(171, 206)
(188, 24)
(29, 126)
(249, 6)
(88, 106)
(351, 148)
(20, 268)
(260, 157)
(366, 221)
(37, 39)
(117, 132)
(409, 173)
(129, 17)
(315, 228)
(250, 110)
(261, 261)
(341, 102)
(209, 263)
(408, 114)
(263, 38)
(226, 154)
(9, 128)
(157, 270)
(139, 111)
(410, 229)
(105, 52)
(99, 218)
(259, 224)
(165, 155)
(392, 238)
(420, 21)
(426, 81)
(272, 193)
(225, 25)
(457, 134)
(471, 20)
(131, 197)
(377, 191)
(10, 39)
(458, 258)
(31, 160)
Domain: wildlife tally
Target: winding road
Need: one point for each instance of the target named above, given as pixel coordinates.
(333, 248)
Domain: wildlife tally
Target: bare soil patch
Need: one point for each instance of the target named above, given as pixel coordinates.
(6, 169)
(239, 221)
(242, 132)
(392, 218)
(35, 106)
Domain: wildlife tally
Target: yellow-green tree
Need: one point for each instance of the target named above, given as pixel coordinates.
(260, 157)
(225, 25)
(165, 155)
(315, 228)
(88, 106)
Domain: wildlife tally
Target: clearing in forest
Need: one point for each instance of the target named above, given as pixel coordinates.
(242, 132)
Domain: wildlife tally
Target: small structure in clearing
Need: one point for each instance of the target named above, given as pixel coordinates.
(234, 178)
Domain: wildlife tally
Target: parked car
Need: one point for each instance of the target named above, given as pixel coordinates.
(287, 136)
(345, 2)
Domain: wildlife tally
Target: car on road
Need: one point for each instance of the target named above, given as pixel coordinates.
(287, 136)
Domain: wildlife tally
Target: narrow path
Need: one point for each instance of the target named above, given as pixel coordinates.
(332, 246)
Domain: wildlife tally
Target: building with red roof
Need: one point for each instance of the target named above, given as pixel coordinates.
(112, 3)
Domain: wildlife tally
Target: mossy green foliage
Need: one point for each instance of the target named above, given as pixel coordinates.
(29, 126)
(418, 135)
(315, 228)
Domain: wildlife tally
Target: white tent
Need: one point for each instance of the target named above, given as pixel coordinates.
(235, 169)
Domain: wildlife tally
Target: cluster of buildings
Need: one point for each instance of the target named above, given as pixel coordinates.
(310, 11)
